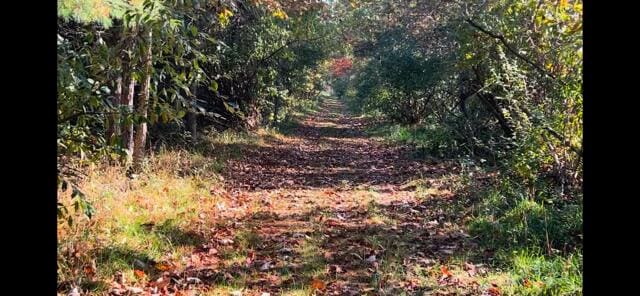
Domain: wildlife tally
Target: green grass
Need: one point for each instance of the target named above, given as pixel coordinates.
(538, 245)
(152, 218)
(431, 141)
(314, 263)
(533, 273)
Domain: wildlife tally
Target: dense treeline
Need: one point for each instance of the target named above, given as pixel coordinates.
(177, 67)
(493, 82)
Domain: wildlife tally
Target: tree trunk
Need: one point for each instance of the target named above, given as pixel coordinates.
(113, 121)
(192, 116)
(126, 102)
(489, 100)
(114, 38)
(276, 109)
(127, 90)
(142, 110)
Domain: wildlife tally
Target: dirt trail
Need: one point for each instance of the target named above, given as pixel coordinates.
(328, 150)
(327, 208)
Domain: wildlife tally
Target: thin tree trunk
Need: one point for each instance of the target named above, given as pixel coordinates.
(113, 121)
(276, 109)
(489, 100)
(126, 102)
(192, 116)
(142, 110)
(127, 93)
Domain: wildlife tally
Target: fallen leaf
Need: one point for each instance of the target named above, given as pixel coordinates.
(138, 273)
(318, 284)
(445, 271)
(470, 268)
(195, 259)
(225, 241)
(163, 266)
(494, 291)
(118, 278)
(371, 259)
(285, 250)
(250, 257)
(74, 292)
(90, 270)
(161, 282)
(135, 290)
(265, 266)
(117, 291)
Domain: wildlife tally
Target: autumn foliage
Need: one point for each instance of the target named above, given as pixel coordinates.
(339, 67)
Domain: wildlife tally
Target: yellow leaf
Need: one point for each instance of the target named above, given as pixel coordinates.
(280, 14)
(563, 4)
(224, 16)
(577, 7)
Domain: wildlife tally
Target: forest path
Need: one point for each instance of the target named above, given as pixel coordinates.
(328, 209)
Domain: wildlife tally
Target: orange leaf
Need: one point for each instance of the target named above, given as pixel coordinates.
(89, 270)
(526, 283)
(494, 291)
(445, 271)
(318, 284)
(163, 266)
(138, 273)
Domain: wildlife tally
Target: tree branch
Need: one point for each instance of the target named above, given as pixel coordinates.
(510, 48)
(76, 115)
(261, 61)
(563, 140)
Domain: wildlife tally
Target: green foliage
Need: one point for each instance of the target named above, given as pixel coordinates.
(224, 63)
(499, 84)
(99, 11)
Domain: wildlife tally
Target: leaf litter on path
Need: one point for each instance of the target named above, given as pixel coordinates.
(329, 199)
